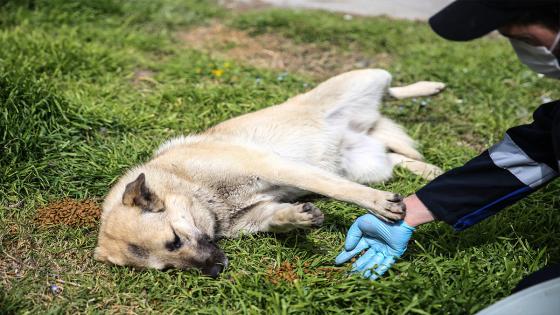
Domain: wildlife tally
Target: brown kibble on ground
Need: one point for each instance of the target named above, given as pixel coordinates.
(71, 212)
(353, 259)
(328, 272)
(274, 51)
(285, 272)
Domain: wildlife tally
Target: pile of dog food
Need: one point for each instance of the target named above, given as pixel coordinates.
(286, 272)
(71, 212)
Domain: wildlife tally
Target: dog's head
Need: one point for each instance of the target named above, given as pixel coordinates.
(151, 222)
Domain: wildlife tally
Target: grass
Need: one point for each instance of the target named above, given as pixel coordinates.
(73, 118)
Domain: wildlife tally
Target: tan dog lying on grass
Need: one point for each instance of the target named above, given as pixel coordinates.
(244, 174)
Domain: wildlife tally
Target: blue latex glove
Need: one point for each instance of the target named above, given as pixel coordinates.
(384, 242)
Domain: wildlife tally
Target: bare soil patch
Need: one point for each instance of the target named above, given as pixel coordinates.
(141, 75)
(276, 52)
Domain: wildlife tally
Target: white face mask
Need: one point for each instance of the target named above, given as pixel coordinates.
(540, 59)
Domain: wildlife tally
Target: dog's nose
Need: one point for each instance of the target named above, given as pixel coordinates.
(216, 268)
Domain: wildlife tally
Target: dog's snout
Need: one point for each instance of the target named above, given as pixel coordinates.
(214, 271)
(224, 263)
(207, 244)
(215, 260)
(215, 267)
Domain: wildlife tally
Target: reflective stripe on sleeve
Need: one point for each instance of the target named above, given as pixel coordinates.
(509, 156)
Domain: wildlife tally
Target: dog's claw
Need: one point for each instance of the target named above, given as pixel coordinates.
(395, 198)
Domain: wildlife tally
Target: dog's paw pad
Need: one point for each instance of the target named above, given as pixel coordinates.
(312, 216)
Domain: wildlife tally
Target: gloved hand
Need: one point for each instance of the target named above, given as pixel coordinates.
(384, 242)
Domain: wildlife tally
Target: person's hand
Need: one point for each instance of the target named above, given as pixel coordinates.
(384, 242)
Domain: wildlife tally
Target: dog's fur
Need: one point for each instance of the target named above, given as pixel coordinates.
(243, 175)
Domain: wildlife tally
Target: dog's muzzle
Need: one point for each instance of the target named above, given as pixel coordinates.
(216, 260)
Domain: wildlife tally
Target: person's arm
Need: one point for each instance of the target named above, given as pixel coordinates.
(522, 162)
(416, 212)
(525, 160)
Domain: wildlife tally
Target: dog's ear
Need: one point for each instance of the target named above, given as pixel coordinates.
(137, 194)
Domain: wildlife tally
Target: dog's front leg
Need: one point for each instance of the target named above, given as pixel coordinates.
(278, 217)
(241, 161)
(280, 172)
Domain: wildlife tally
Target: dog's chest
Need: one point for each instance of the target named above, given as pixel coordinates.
(237, 189)
(239, 193)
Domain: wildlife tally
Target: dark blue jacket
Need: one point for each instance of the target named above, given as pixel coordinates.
(522, 162)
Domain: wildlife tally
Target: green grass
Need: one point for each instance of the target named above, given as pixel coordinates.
(72, 121)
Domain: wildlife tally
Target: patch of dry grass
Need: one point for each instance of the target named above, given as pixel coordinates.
(273, 51)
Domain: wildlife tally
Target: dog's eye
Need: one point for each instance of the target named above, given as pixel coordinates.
(175, 244)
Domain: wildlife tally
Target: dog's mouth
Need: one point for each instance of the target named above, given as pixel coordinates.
(216, 260)
(211, 269)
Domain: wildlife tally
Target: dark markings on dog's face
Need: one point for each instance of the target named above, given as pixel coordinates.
(148, 238)
(138, 251)
(217, 224)
(175, 244)
(137, 194)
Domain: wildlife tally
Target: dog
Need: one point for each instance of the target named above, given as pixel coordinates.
(244, 175)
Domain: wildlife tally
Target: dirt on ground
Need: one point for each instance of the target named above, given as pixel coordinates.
(17, 259)
(143, 76)
(276, 52)
(71, 212)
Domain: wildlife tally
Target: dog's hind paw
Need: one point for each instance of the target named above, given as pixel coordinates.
(427, 88)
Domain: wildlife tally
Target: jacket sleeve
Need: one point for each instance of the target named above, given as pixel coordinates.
(526, 159)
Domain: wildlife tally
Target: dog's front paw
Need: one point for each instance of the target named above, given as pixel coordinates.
(431, 172)
(388, 206)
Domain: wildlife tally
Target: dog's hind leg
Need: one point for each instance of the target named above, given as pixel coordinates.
(364, 159)
(420, 168)
(279, 217)
(395, 138)
(422, 88)
(402, 149)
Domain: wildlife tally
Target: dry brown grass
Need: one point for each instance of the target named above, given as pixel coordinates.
(273, 51)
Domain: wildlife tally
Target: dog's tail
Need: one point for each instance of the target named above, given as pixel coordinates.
(395, 138)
